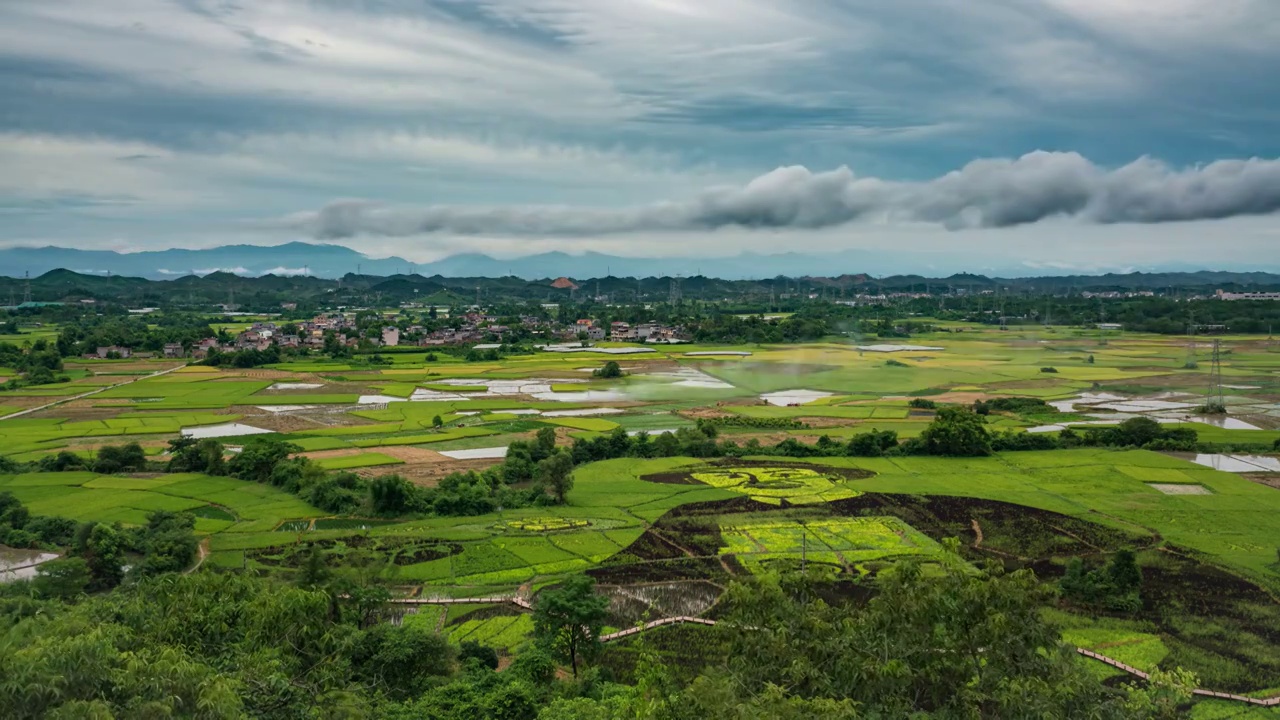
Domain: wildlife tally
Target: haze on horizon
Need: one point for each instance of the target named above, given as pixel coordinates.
(1064, 135)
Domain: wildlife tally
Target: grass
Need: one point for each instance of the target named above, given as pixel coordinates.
(350, 462)
(221, 505)
(1236, 524)
(583, 423)
(1142, 650)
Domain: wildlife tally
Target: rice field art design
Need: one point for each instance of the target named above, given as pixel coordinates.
(543, 524)
(779, 485)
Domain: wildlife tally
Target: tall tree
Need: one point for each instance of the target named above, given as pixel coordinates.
(556, 474)
(957, 431)
(567, 620)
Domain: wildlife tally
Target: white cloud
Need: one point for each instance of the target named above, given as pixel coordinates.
(308, 52)
(575, 118)
(985, 193)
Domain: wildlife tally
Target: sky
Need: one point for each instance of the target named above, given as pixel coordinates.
(1048, 135)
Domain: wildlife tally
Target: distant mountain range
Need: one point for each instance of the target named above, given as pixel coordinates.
(334, 261)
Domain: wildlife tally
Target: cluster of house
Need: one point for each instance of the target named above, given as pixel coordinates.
(262, 335)
(1116, 295)
(474, 327)
(626, 332)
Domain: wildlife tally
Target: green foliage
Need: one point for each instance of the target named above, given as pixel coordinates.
(957, 432)
(1117, 586)
(922, 404)
(123, 458)
(259, 457)
(1163, 695)
(556, 474)
(203, 645)
(248, 358)
(1018, 404)
(959, 645)
(314, 572)
(20, 529)
(872, 444)
(1017, 440)
(1142, 432)
(482, 655)
(391, 495)
(609, 370)
(341, 493)
(188, 454)
(567, 621)
(103, 549)
(168, 543)
(62, 579)
(400, 661)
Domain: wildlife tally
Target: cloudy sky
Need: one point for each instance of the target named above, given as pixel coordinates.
(1089, 134)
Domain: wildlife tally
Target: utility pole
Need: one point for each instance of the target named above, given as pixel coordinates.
(1215, 402)
(1191, 363)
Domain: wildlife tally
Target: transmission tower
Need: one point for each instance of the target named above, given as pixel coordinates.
(673, 297)
(1215, 401)
(26, 288)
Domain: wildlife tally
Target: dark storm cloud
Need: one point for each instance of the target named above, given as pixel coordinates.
(985, 193)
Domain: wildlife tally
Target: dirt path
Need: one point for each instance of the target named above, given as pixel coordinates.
(203, 550)
(95, 391)
(977, 530)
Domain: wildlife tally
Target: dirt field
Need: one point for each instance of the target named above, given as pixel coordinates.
(427, 474)
(421, 467)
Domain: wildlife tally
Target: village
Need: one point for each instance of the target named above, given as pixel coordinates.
(474, 328)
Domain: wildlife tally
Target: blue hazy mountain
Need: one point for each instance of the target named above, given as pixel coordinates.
(332, 261)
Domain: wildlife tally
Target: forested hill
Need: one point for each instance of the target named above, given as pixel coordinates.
(223, 287)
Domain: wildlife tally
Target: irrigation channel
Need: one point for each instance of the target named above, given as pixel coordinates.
(524, 603)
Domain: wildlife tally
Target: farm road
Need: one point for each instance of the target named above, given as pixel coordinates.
(60, 401)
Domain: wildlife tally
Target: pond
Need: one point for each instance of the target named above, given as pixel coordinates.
(21, 564)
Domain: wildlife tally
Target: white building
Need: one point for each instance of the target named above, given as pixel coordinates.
(390, 336)
(1222, 295)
